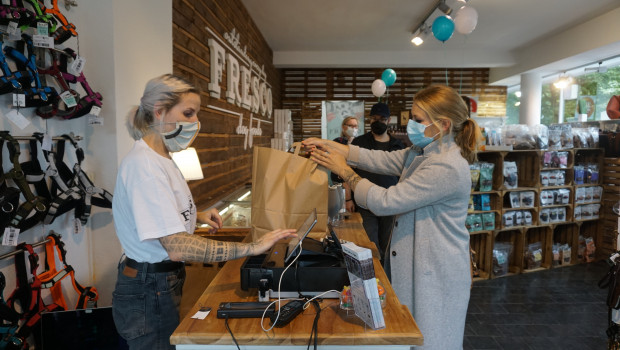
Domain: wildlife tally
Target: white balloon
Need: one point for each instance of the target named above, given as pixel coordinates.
(466, 19)
(378, 87)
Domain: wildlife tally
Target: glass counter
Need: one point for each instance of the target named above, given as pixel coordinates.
(235, 208)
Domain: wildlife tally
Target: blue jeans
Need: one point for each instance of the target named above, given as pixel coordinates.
(146, 307)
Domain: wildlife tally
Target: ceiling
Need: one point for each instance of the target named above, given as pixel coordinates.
(511, 37)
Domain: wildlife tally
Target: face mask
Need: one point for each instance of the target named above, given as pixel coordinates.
(378, 128)
(415, 131)
(181, 137)
(351, 132)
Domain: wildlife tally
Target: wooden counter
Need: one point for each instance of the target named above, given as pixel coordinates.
(336, 328)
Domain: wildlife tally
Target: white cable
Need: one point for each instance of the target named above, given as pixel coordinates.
(319, 295)
(279, 298)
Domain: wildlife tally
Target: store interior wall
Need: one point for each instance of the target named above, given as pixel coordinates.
(125, 43)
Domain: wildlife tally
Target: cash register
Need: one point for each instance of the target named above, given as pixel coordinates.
(312, 266)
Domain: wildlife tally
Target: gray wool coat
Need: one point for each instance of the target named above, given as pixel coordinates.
(430, 261)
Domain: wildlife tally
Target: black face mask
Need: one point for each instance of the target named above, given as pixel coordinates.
(378, 128)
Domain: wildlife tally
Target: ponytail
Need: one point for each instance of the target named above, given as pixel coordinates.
(468, 139)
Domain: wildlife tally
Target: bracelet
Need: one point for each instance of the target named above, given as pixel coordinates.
(346, 200)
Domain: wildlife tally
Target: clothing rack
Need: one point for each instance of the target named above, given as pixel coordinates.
(8, 255)
(55, 138)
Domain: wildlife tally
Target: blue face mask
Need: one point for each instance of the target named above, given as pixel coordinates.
(415, 131)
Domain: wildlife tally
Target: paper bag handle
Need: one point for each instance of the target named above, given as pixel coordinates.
(296, 147)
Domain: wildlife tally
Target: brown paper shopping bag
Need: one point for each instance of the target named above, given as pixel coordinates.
(285, 188)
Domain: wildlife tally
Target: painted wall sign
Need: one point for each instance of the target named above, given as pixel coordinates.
(246, 81)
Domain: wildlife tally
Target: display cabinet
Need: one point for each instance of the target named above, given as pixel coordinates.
(559, 192)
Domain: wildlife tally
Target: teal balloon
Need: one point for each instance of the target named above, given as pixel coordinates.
(443, 28)
(388, 77)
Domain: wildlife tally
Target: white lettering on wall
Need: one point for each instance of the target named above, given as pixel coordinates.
(249, 132)
(217, 67)
(246, 81)
(232, 80)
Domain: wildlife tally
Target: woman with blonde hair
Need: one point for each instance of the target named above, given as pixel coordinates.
(155, 217)
(429, 248)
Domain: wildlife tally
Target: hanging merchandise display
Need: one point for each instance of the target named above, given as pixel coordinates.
(70, 186)
(25, 51)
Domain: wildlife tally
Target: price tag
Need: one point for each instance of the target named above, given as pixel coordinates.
(77, 226)
(16, 35)
(42, 29)
(94, 120)
(19, 100)
(46, 145)
(43, 41)
(68, 98)
(10, 236)
(17, 118)
(12, 28)
(78, 65)
(94, 110)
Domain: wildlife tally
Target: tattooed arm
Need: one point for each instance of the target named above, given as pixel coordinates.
(193, 248)
(351, 178)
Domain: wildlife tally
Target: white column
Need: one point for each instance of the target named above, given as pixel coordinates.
(531, 94)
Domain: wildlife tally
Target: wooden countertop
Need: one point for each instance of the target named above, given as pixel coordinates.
(335, 326)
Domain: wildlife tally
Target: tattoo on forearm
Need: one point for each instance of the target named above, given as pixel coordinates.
(351, 178)
(193, 248)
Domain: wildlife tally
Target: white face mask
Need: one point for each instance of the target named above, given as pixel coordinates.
(181, 136)
(351, 132)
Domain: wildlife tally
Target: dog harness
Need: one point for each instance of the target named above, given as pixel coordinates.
(15, 13)
(66, 30)
(38, 95)
(88, 296)
(85, 103)
(33, 210)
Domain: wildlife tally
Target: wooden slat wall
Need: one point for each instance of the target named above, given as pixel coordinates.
(225, 162)
(304, 89)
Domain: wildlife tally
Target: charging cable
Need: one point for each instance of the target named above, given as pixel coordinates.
(279, 297)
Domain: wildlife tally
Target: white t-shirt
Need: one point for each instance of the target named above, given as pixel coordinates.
(151, 200)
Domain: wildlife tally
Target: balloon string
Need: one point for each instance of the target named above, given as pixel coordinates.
(445, 56)
(463, 63)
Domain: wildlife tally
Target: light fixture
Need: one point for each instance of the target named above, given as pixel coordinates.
(423, 29)
(599, 69)
(444, 8)
(187, 161)
(563, 81)
(518, 94)
(422, 34)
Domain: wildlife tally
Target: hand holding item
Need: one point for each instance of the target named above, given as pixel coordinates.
(333, 161)
(350, 206)
(212, 218)
(312, 143)
(268, 240)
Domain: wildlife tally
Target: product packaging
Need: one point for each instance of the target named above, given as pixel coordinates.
(527, 199)
(488, 221)
(510, 174)
(474, 170)
(486, 176)
(501, 258)
(534, 255)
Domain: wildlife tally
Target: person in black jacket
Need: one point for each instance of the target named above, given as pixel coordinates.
(378, 228)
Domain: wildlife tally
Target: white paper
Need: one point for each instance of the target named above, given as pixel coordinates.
(201, 315)
(43, 41)
(18, 119)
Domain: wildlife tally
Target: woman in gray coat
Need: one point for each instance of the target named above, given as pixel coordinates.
(430, 263)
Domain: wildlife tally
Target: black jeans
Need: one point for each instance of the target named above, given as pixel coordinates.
(378, 229)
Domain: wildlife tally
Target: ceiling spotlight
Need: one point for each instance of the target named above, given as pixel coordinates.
(599, 69)
(563, 81)
(518, 94)
(422, 34)
(444, 8)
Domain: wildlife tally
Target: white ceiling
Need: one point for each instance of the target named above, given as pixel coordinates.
(511, 36)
